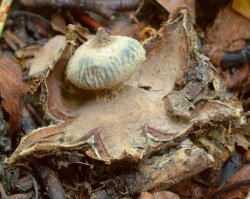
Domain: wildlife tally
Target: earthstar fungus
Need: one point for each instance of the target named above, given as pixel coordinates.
(150, 114)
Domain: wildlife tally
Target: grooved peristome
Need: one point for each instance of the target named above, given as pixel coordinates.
(105, 62)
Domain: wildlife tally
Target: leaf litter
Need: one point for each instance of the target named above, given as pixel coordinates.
(175, 114)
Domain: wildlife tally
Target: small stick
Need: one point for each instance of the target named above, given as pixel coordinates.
(105, 8)
(89, 21)
(4, 9)
(34, 113)
(236, 58)
(49, 179)
(29, 14)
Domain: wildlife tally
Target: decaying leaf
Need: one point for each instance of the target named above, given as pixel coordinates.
(11, 91)
(176, 93)
(221, 39)
(237, 80)
(171, 5)
(58, 22)
(238, 182)
(247, 156)
(242, 7)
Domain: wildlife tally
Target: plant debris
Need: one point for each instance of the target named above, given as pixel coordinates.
(173, 126)
(11, 92)
(105, 8)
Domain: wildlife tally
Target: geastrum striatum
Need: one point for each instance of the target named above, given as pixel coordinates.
(155, 104)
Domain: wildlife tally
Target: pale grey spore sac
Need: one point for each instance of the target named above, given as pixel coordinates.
(105, 62)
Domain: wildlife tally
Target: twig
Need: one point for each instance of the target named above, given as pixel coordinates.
(236, 58)
(50, 181)
(34, 182)
(35, 114)
(139, 7)
(29, 14)
(105, 8)
(4, 9)
(89, 21)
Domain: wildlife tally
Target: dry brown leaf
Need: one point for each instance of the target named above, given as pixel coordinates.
(196, 187)
(41, 27)
(221, 38)
(58, 22)
(242, 175)
(11, 91)
(234, 185)
(247, 156)
(233, 194)
(126, 27)
(171, 5)
(242, 7)
(236, 80)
